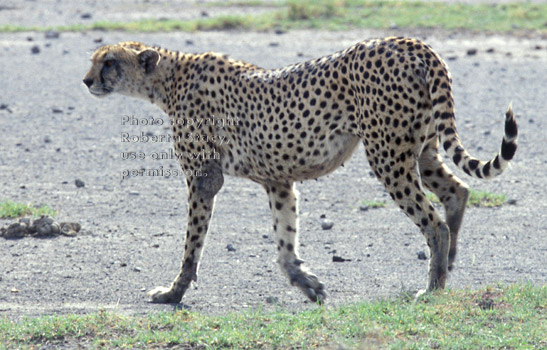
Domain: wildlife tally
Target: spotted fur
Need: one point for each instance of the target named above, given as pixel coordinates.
(301, 122)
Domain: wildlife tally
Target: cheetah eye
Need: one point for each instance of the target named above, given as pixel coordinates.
(109, 63)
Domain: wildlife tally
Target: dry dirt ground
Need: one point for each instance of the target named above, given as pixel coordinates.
(53, 132)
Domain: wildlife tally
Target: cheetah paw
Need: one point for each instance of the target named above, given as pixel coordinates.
(163, 295)
(310, 286)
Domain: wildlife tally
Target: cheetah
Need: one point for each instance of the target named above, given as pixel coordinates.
(301, 122)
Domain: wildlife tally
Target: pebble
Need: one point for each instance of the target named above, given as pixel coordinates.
(326, 224)
(230, 247)
(471, 52)
(79, 183)
(421, 255)
(52, 34)
(86, 15)
(272, 300)
(35, 49)
(512, 202)
(47, 139)
(336, 258)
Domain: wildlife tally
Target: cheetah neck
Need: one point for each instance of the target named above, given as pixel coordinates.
(167, 83)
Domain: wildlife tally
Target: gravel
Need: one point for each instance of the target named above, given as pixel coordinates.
(144, 233)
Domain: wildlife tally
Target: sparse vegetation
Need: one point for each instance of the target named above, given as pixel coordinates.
(374, 204)
(478, 199)
(502, 317)
(342, 15)
(10, 209)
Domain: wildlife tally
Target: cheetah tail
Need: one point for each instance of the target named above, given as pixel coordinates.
(472, 166)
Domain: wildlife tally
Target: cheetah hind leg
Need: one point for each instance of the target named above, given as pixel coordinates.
(451, 191)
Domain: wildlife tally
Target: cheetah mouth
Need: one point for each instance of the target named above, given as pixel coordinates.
(100, 93)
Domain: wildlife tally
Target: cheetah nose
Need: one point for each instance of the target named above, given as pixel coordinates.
(88, 82)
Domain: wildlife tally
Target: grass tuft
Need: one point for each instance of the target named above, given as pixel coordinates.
(374, 204)
(478, 199)
(10, 209)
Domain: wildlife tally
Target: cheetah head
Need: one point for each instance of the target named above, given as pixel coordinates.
(124, 68)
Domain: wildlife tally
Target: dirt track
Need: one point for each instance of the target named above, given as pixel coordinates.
(53, 132)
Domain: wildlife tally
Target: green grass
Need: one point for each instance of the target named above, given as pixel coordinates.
(374, 204)
(502, 317)
(343, 15)
(10, 209)
(478, 199)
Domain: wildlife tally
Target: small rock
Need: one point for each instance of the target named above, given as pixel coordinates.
(273, 44)
(471, 52)
(70, 228)
(279, 31)
(3, 106)
(204, 14)
(230, 247)
(35, 49)
(452, 58)
(336, 258)
(363, 207)
(15, 230)
(326, 224)
(123, 264)
(79, 183)
(98, 40)
(272, 300)
(134, 193)
(86, 15)
(52, 34)
(421, 255)
(322, 216)
(491, 50)
(47, 139)
(189, 42)
(512, 202)
(15, 290)
(56, 110)
(393, 26)
(137, 269)
(265, 236)
(55, 228)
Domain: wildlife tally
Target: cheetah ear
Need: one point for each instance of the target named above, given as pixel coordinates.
(148, 59)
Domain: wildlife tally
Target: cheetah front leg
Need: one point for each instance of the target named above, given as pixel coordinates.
(201, 197)
(283, 204)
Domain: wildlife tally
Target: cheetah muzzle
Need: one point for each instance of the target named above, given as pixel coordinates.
(301, 122)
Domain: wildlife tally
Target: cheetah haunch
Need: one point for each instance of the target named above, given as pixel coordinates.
(301, 122)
